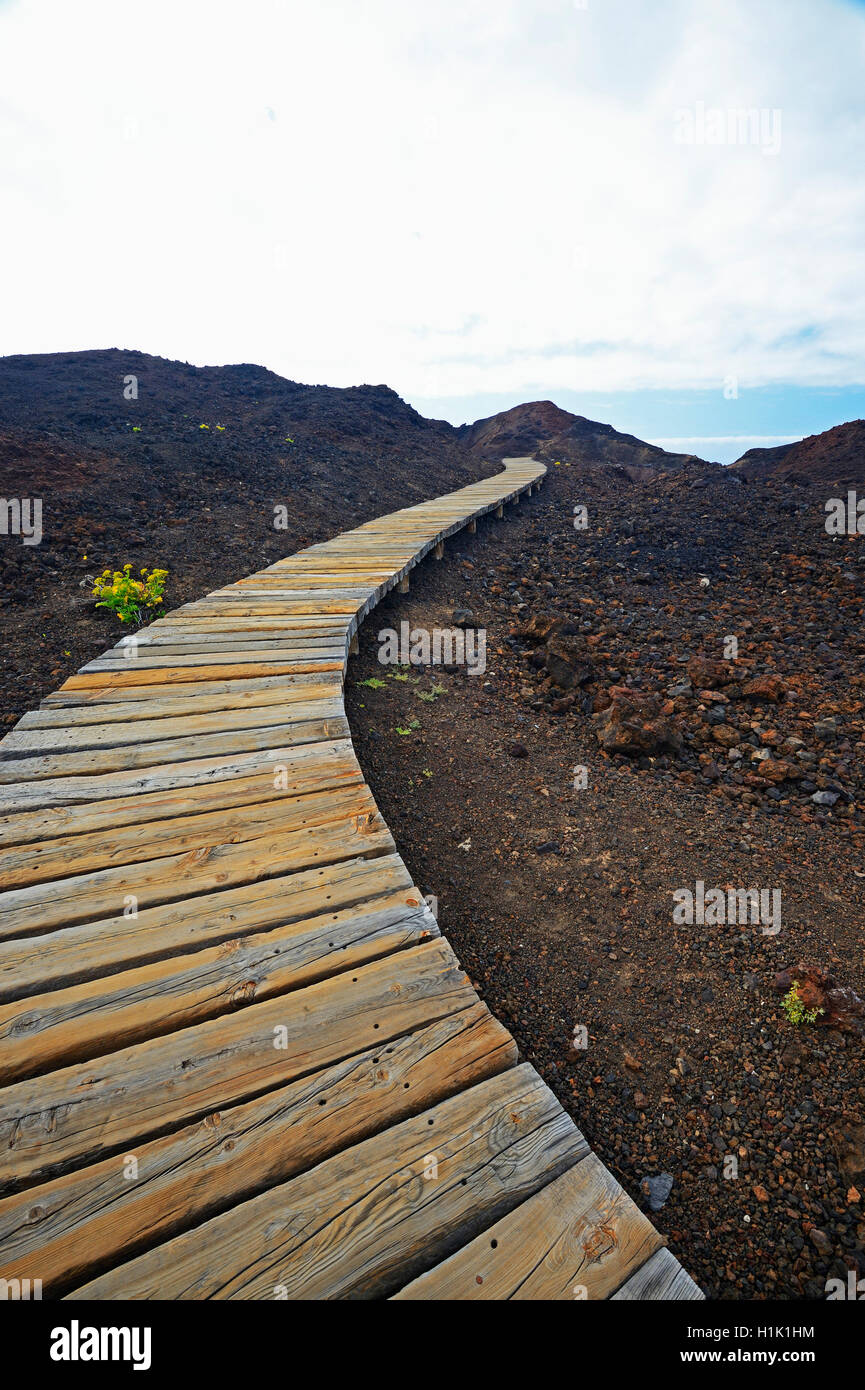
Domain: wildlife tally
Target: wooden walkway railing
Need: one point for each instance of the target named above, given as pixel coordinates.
(237, 1059)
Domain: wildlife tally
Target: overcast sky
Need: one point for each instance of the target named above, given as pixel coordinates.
(475, 201)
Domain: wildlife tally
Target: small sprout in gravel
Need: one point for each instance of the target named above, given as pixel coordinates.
(795, 1009)
(413, 724)
(433, 692)
(373, 683)
(426, 772)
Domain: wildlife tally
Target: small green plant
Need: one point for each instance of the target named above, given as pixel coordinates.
(794, 1007)
(372, 684)
(404, 732)
(397, 676)
(129, 597)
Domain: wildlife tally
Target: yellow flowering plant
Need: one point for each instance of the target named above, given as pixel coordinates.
(130, 597)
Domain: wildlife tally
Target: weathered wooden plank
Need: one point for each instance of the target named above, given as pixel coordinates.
(269, 656)
(75, 1226)
(660, 1278)
(134, 673)
(245, 780)
(170, 878)
(313, 898)
(223, 694)
(358, 1224)
(302, 723)
(169, 776)
(151, 727)
(88, 1020)
(70, 1116)
(78, 854)
(580, 1237)
(196, 643)
(180, 744)
(222, 606)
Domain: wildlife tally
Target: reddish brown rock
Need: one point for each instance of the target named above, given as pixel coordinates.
(775, 770)
(769, 689)
(635, 725)
(706, 673)
(539, 627)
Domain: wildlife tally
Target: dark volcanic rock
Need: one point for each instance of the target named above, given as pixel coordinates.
(567, 662)
(657, 1190)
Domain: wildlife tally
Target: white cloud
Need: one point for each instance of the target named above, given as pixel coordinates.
(482, 195)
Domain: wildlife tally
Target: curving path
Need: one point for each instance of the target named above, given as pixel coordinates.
(237, 1059)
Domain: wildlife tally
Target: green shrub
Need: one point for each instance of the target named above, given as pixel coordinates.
(129, 597)
(794, 1007)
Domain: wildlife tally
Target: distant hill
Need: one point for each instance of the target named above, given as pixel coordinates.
(331, 444)
(835, 456)
(544, 428)
(73, 429)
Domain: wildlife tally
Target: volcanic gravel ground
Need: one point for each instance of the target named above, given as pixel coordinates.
(559, 901)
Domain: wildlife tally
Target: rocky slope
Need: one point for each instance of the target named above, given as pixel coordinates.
(555, 434)
(836, 456)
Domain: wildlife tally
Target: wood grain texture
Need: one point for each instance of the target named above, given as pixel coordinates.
(94, 949)
(353, 1226)
(98, 1216)
(577, 1238)
(660, 1278)
(68, 1116)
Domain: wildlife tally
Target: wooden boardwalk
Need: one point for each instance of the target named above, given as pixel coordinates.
(237, 1058)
